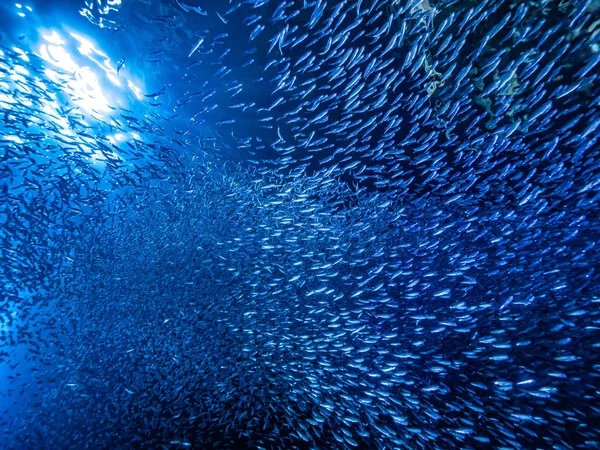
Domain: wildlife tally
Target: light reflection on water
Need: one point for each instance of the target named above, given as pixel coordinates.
(74, 75)
(85, 81)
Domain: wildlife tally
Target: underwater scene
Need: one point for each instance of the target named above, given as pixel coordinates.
(299, 224)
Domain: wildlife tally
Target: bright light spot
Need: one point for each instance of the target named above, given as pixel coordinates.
(81, 85)
(52, 75)
(114, 79)
(43, 86)
(18, 78)
(98, 157)
(51, 109)
(54, 38)
(21, 14)
(12, 138)
(86, 46)
(89, 88)
(18, 5)
(120, 137)
(137, 91)
(21, 53)
(22, 70)
(84, 50)
(44, 52)
(101, 59)
(85, 86)
(100, 53)
(59, 57)
(5, 98)
(108, 66)
(28, 8)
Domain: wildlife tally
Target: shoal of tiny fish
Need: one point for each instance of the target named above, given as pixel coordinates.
(350, 224)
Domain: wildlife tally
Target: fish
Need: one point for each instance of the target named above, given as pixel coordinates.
(187, 8)
(196, 46)
(352, 224)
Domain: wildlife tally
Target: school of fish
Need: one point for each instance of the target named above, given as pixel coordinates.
(369, 224)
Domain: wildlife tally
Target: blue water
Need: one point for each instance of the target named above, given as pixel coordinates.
(300, 224)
